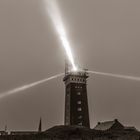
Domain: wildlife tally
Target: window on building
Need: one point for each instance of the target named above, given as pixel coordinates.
(79, 102)
(80, 117)
(78, 93)
(79, 109)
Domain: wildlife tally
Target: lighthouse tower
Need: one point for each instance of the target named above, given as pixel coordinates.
(76, 102)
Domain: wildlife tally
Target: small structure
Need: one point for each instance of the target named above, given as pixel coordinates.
(3, 133)
(40, 126)
(109, 125)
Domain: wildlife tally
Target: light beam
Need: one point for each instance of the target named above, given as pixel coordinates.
(116, 75)
(54, 13)
(25, 87)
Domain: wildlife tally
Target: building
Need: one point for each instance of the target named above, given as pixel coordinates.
(76, 102)
(109, 125)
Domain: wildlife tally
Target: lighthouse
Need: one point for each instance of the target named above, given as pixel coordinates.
(76, 101)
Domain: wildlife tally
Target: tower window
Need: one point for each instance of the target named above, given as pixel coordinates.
(79, 109)
(79, 87)
(79, 102)
(80, 117)
(78, 93)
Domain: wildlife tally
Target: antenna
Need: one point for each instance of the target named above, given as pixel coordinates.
(66, 66)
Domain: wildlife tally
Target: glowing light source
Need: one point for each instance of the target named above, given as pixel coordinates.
(54, 13)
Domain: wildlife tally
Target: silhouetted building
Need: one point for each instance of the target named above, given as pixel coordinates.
(40, 125)
(85, 133)
(109, 125)
(76, 102)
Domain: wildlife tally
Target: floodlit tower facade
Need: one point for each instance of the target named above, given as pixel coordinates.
(76, 102)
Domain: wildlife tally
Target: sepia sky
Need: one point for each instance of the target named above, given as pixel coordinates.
(104, 35)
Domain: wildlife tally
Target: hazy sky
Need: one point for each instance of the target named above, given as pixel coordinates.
(105, 36)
